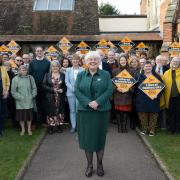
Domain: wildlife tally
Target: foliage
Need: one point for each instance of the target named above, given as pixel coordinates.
(108, 9)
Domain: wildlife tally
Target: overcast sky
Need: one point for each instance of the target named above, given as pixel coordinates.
(125, 6)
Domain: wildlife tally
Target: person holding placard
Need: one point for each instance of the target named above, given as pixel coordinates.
(122, 97)
(147, 107)
(172, 94)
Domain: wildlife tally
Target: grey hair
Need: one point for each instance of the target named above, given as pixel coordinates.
(175, 58)
(93, 54)
(22, 67)
(55, 63)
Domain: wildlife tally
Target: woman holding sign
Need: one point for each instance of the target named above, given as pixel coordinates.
(123, 93)
(148, 92)
(172, 94)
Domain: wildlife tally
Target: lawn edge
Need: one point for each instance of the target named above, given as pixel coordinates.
(28, 160)
(155, 156)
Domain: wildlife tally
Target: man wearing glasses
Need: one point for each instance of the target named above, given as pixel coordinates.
(38, 68)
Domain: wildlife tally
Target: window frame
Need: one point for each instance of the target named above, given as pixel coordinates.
(50, 10)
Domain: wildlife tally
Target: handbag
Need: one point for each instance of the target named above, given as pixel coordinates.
(34, 100)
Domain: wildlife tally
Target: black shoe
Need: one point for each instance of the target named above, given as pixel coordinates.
(50, 130)
(100, 171)
(59, 129)
(89, 171)
(73, 130)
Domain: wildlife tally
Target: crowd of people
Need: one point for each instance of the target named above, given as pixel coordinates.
(78, 89)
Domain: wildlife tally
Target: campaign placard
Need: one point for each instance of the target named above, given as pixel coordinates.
(51, 52)
(141, 47)
(4, 49)
(174, 49)
(124, 81)
(112, 46)
(126, 44)
(83, 48)
(151, 86)
(64, 44)
(13, 47)
(103, 45)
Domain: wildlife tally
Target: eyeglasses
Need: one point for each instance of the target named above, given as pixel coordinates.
(18, 60)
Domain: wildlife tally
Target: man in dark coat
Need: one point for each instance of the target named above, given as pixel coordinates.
(38, 68)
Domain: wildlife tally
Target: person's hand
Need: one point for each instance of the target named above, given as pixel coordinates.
(93, 105)
(5, 94)
(119, 90)
(122, 90)
(154, 97)
(59, 90)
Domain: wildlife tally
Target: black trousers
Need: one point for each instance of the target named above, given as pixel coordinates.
(2, 113)
(40, 114)
(174, 115)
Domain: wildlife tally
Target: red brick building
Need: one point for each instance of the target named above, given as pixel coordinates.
(45, 22)
(163, 15)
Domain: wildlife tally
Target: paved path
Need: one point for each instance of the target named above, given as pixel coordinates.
(126, 158)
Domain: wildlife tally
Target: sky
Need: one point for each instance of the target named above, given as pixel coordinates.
(125, 6)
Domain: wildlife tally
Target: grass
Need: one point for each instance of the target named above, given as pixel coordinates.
(14, 149)
(167, 146)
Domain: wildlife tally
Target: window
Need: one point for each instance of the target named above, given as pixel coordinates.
(53, 5)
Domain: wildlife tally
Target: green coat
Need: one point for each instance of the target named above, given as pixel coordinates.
(23, 90)
(100, 92)
(92, 124)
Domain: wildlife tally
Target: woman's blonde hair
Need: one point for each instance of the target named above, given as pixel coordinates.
(55, 63)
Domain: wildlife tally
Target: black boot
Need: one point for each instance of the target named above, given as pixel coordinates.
(59, 129)
(119, 120)
(100, 170)
(125, 122)
(89, 170)
(50, 130)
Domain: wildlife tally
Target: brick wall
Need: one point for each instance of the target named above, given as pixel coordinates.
(17, 17)
(163, 10)
(168, 32)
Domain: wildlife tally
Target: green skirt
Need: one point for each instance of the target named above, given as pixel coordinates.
(92, 129)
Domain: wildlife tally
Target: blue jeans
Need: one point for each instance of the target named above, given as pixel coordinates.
(72, 101)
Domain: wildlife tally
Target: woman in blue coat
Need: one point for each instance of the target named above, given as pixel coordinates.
(147, 108)
(93, 90)
(70, 78)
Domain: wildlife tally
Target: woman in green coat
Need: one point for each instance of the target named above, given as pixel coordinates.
(93, 88)
(24, 90)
